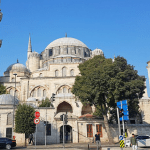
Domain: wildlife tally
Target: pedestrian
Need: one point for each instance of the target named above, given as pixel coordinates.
(97, 140)
(31, 138)
(133, 142)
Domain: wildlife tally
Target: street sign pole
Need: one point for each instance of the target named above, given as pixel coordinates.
(35, 136)
(63, 132)
(118, 121)
(45, 125)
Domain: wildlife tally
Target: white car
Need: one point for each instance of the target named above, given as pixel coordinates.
(127, 142)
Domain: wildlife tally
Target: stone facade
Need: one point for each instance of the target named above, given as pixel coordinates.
(54, 71)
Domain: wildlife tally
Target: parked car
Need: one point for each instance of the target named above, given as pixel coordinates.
(143, 141)
(7, 143)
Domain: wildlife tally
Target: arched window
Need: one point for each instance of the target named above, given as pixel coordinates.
(64, 71)
(17, 94)
(40, 75)
(72, 72)
(69, 90)
(59, 91)
(12, 80)
(56, 73)
(34, 93)
(44, 93)
(64, 90)
(39, 92)
(11, 92)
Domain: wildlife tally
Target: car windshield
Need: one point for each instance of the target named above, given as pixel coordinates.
(142, 137)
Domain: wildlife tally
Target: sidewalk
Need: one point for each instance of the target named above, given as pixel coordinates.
(77, 146)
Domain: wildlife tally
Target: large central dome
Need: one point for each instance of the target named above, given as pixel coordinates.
(66, 41)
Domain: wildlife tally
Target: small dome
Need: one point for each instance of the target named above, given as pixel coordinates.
(97, 52)
(31, 99)
(7, 99)
(34, 54)
(17, 67)
(66, 41)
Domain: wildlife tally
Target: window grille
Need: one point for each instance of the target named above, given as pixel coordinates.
(9, 132)
(89, 130)
(48, 129)
(99, 129)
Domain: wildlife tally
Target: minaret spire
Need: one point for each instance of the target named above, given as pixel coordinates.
(29, 45)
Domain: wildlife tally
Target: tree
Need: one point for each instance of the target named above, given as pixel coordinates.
(103, 82)
(2, 89)
(45, 103)
(24, 119)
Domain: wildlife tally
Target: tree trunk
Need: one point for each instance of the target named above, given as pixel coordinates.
(108, 129)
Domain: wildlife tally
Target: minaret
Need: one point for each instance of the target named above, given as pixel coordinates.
(148, 68)
(29, 47)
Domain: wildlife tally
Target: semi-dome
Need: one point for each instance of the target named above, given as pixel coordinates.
(17, 67)
(66, 41)
(7, 99)
(97, 52)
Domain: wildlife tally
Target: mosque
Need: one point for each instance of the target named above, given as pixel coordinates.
(54, 71)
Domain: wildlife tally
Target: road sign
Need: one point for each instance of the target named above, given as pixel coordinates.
(121, 143)
(36, 120)
(123, 105)
(120, 137)
(37, 114)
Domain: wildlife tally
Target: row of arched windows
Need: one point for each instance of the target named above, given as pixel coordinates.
(64, 89)
(64, 72)
(38, 92)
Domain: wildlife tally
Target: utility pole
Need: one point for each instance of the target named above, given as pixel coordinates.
(63, 131)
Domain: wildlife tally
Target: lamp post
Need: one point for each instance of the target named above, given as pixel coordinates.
(14, 105)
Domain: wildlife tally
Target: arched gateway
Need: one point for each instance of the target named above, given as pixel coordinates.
(68, 134)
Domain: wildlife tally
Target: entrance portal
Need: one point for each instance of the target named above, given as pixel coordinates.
(68, 134)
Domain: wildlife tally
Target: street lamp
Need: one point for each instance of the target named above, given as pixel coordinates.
(14, 105)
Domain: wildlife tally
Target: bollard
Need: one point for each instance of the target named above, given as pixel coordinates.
(88, 146)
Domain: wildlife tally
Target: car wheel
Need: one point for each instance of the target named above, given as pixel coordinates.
(8, 146)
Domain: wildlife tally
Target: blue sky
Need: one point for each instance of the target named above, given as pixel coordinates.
(118, 27)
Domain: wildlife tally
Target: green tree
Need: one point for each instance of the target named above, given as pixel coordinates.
(45, 103)
(2, 89)
(103, 82)
(24, 119)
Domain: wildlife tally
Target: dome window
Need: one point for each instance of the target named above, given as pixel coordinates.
(40, 75)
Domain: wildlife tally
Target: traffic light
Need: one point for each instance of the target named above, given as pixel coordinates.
(66, 118)
(121, 113)
(45, 123)
(61, 118)
(53, 97)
